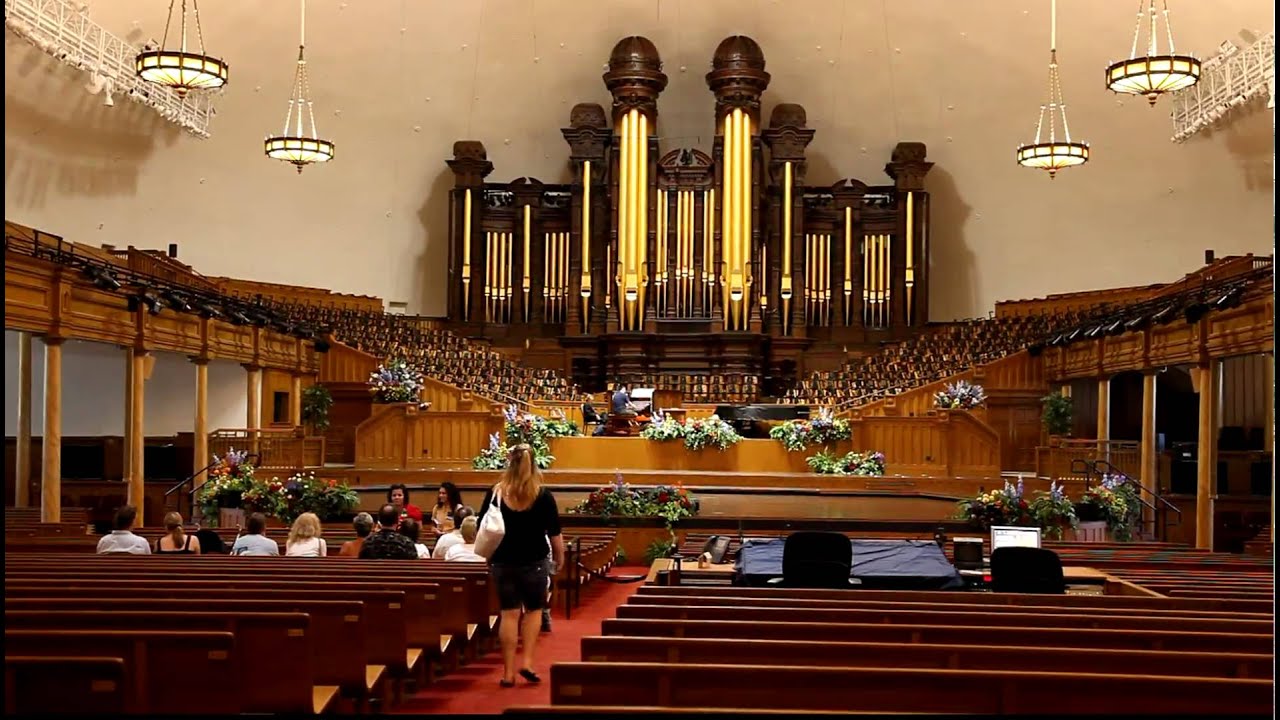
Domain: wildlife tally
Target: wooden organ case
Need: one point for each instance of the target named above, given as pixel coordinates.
(666, 265)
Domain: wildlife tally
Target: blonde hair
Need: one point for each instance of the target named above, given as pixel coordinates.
(306, 526)
(522, 480)
(468, 530)
(173, 526)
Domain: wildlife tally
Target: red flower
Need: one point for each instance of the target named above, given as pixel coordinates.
(662, 497)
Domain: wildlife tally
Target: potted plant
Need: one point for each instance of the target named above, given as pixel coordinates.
(960, 395)
(1111, 505)
(798, 435)
(1053, 511)
(316, 401)
(396, 381)
(1005, 506)
(1057, 413)
(852, 463)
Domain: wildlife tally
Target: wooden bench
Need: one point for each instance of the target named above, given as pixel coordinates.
(273, 649)
(902, 690)
(65, 685)
(946, 634)
(1011, 615)
(173, 673)
(1091, 602)
(729, 651)
(337, 627)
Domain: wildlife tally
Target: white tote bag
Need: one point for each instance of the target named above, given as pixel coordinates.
(492, 529)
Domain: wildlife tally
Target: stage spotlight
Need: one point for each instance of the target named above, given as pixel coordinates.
(1229, 299)
(1116, 328)
(1057, 340)
(239, 318)
(1137, 323)
(1035, 349)
(1166, 315)
(209, 310)
(1194, 312)
(322, 345)
(1074, 335)
(176, 301)
(153, 303)
(102, 278)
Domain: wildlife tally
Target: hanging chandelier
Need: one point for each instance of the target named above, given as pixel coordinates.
(1155, 73)
(1053, 154)
(181, 70)
(295, 145)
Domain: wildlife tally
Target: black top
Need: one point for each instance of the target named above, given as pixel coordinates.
(388, 545)
(619, 403)
(184, 550)
(527, 530)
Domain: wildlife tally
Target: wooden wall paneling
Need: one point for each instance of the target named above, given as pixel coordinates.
(275, 381)
(1244, 391)
(345, 364)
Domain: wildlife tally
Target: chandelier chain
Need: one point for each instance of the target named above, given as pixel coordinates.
(195, 11)
(1137, 30)
(184, 26)
(1168, 28)
(164, 39)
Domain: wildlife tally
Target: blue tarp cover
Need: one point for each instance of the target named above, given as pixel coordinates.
(903, 564)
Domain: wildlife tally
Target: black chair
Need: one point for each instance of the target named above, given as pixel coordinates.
(817, 560)
(1027, 570)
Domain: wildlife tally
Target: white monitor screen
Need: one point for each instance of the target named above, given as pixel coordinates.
(642, 394)
(1002, 536)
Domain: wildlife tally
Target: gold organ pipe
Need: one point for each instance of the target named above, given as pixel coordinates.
(466, 254)
(677, 290)
(866, 279)
(888, 279)
(608, 286)
(726, 220)
(909, 275)
(488, 276)
(642, 215)
(586, 230)
(689, 209)
(848, 262)
(564, 275)
(624, 204)
(745, 246)
(826, 279)
(708, 248)
(510, 260)
(526, 281)
(659, 218)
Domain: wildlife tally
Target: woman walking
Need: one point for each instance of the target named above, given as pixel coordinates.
(520, 565)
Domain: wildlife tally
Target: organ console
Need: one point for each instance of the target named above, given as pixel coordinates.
(694, 260)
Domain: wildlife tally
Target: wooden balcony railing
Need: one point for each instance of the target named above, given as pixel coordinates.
(1054, 460)
(285, 450)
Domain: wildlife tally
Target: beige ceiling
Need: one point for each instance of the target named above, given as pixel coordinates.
(396, 82)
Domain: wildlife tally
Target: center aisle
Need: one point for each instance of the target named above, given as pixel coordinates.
(474, 688)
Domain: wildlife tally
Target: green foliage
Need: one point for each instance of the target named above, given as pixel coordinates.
(672, 503)
(710, 432)
(798, 435)
(1057, 413)
(316, 402)
(853, 463)
(660, 548)
(663, 430)
(1114, 500)
(1053, 511)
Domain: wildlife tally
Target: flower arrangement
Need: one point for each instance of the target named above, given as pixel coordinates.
(710, 432)
(328, 499)
(1053, 511)
(494, 457)
(1114, 500)
(797, 435)
(269, 497)
(1005, 506)
(672, 503)
(663, 428)
(228, 480)
(853, 463)
(960, 395)
(396, 381)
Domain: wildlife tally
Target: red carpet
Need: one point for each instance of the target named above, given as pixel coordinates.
(474, 688)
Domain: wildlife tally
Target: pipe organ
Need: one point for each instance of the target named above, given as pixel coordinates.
(650, 244)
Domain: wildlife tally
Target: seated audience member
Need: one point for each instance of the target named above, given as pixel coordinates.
(363, 524)
(304, 538)
(254, 542)
(589, 414)
(448, 503)
(122, 539)
(450, 539)
(411, 529)
(177, 541)
(386, 543)
(398, 495)
(465, 551)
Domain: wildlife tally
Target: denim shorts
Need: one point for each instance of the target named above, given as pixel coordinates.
(522, 586)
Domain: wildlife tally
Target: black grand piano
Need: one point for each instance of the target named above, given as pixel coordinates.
(751, 420)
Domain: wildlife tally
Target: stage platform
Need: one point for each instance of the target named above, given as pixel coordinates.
(755, 456)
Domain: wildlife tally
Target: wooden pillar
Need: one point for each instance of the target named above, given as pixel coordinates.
(1104, 416)
(1207, 452)
(136, 440)
(1269, 433)
(22, 460)
(253, 377)
(200, 453)
(1149, 467)
(51, 479)
(125, 449)
(295, 402)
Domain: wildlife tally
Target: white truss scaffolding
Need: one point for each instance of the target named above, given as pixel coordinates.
(1228, 80)
(63, 30)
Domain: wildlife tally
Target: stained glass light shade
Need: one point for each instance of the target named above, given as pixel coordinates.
(181, 71)
(1153, 76)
